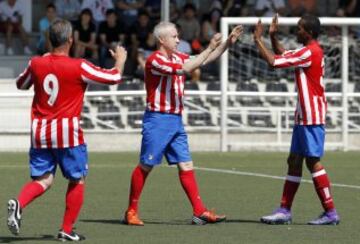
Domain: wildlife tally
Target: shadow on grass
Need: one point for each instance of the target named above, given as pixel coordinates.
(147, 222)
(103, 221)
(162, 222)
(11, 239)
(246, 221)
(251, 221)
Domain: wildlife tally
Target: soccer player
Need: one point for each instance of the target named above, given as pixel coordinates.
(163, 131)
(309, 131)
(56, 137)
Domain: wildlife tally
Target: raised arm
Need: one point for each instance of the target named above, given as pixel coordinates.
(295, 58)
(233, 37)
(93, 74)
(120, 56)
(264, 52)
(276, 45)
(196, 62)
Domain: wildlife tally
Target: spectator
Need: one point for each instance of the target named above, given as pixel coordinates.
(85, 36)
(174, 12)
(140, 31)
(189, 23)
(268, 8)
(183, 45)
(51, 15)
(326, 7)
(235, 8)
(128, 10)
(11, 23)
(143, 53)
(153, 7)
(110, 34)
(68, 9)
(98, 8)
(301, 7)
(348, 8)
(210, 26)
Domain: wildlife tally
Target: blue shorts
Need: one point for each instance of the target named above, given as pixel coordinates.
(308, 140)
(73, 161)
(163, 134)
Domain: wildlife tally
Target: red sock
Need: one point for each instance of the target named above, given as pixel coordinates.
(188, 182)
(322, 187)
(137, 184)
(74, 201)
(29, 192)
(291, 186)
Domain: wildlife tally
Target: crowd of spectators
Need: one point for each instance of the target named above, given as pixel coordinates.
(101, 24)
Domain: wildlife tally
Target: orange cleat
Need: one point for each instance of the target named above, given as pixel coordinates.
(132, 218)
(208, 216)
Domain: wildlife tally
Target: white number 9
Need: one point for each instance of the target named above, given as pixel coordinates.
(51, 87)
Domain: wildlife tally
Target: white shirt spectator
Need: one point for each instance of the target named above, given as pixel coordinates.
(184, 47)
(68, 9)
(98, 8)
(271, 6)
(11, 12)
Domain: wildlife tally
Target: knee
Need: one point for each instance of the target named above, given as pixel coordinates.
(80, 181)
(291, 161)
(294, 164)
(46, 181)
(145, 168)
(313, 164)
(186, 166)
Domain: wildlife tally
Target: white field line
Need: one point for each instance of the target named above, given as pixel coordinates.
(233, 172)
(225, 171)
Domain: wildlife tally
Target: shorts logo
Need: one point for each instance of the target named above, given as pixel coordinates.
(151, 157)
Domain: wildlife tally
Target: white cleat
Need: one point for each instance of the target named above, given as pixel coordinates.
(14, 216)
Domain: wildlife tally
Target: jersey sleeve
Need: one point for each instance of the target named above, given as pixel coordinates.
(91, 73)
(159, 65)
(24, 81)
(293, 58)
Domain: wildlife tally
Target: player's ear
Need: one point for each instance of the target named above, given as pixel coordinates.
(71, 40)
(161, 40)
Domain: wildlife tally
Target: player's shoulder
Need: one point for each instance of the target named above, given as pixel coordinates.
(156, 55)
(315, 47)
(37, 60)
(182, 55)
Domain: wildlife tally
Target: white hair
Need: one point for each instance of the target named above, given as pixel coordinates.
(161, 28)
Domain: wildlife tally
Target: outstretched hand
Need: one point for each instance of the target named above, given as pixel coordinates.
(119, 54)
(215, 41)
(259, 29)
(273, 29)
(235, 34)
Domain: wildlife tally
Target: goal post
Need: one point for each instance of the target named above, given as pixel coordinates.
(340, 23)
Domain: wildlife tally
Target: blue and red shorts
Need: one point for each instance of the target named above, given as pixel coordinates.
(308, 140)
(163, 135)
(72, 161)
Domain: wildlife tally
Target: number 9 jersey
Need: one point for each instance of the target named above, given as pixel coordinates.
(59, 84)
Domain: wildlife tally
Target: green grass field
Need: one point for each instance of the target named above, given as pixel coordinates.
(165, 208)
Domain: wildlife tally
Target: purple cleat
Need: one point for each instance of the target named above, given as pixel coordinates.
(281, 216)
(327, 218)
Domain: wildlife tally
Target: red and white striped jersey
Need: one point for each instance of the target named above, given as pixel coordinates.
(59, 84)
(164, 83)
(309, 71)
